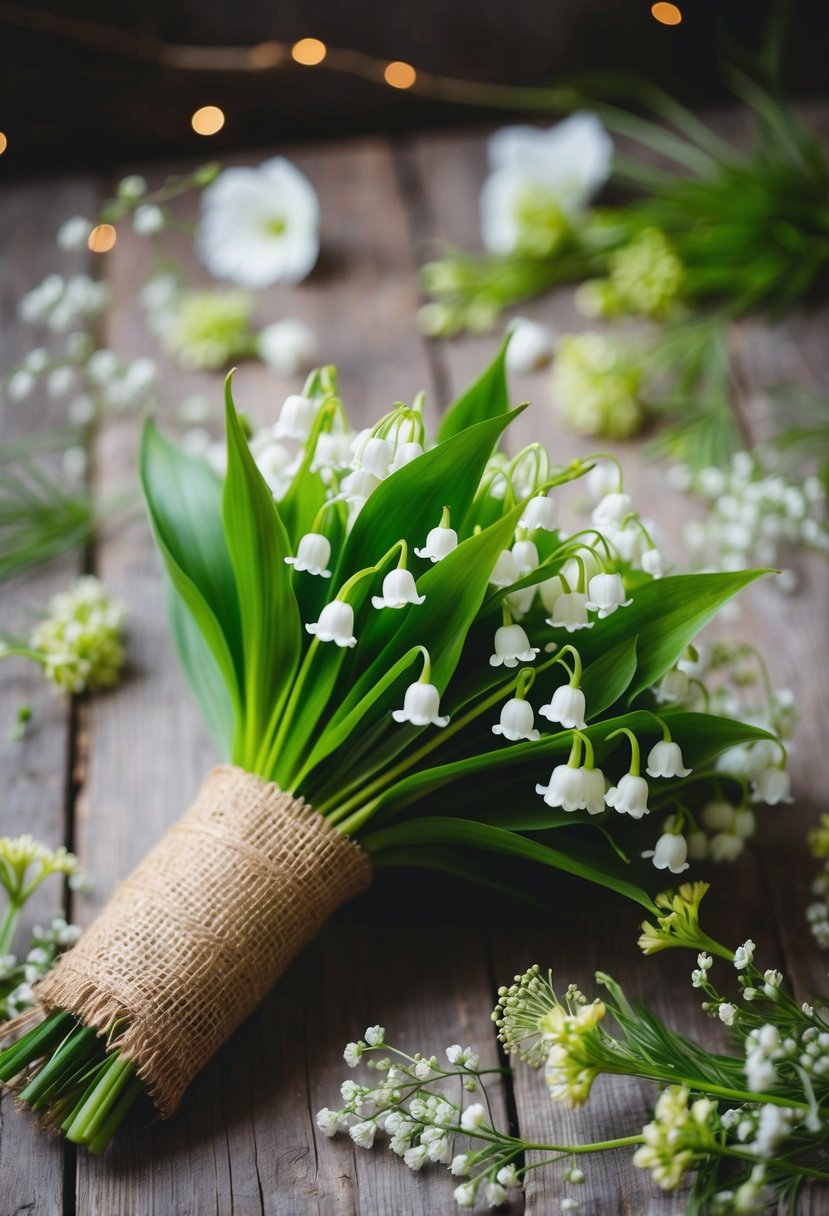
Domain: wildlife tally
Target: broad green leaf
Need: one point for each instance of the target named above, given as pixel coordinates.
(607, 678)
(406, 506)
(183, 497)
(666, 615)
(485, 398)
(447, 861)
(704, 736)
(202, 673)
(258, 545)
(595, 865)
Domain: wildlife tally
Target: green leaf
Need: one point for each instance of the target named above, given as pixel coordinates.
(595, 865)
(183, 497)
(258, 545)
(202, 672)
(606, 679)
(485, 398)
(704, 736)
(666, 615)
(406, 506)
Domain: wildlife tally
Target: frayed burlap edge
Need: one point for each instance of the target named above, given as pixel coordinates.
(191, 942)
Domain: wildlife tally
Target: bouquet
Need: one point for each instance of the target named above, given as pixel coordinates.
(370, 623)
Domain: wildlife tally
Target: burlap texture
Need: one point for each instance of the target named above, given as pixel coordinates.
(189, 944)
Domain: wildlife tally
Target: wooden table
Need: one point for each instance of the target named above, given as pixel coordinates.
(107, 775)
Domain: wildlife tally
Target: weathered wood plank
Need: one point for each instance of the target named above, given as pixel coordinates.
(245, 1140)
(34, 771)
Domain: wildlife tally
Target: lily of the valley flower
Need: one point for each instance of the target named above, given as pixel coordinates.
(606, 593)
(665, 758)
(399, 589)
(630, 795)
(525, 556)
(335, 624)
(530, 347)
(288, 346)
(375, 456)
(670, 853)
(296, 418)
(421, 702)
(566, 707)
(576, 788)
(674, 686)
(517, 721)
(612, 510)
(405, 453)
(505, 571)
(312, 554)
(772, 786)
(260, 226)
(511, 645)
(540, 512)
(440, 542)
(570, 612)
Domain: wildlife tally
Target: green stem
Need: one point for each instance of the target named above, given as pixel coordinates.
(802, 1171)
(9, 925)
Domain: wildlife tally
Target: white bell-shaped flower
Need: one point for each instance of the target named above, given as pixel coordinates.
(358, 485)
(274, 463)
(296, 418)
(333, 451)
(375, 456)
(405, 453)
(612, 510)
(566, 707)
(313, 552)
(540, 512)
(336, 624)
(629, 797)
(511, 647)
(665, 760)
(521, 601)
(570, 612)
(398, 590)
(439, 544)
(525, 555)
(517, 721)
(653, 562)
(564, 789)
(674, 686)
(420, 706)
(671, 853)
(595, 786)
(530, 347)
(772, 786)
(606, 593)
(549, 591)
(505, 572)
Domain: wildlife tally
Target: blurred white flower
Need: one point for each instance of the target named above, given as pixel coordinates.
(530, 347)
(148, 219)
(288, 346)
(260, 226)
(541, 179)
(73, 233)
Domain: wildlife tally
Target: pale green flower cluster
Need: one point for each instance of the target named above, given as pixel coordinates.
(677, 1134)
(207, 329)
(645, 279)
(597, 386)
(79, 643)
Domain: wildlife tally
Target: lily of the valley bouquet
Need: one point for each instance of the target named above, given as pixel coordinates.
(407, 661)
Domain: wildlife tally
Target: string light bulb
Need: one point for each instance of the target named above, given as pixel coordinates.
(102, 238)
(207, 120)
(309, 52)
(666, 14)
(400, 75)
(4, 143)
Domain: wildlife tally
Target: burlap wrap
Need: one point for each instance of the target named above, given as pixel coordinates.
(189, 944)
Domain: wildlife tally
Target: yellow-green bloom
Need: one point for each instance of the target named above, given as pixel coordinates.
(209, 329)
(675, 1136)
(597, 385)
(646, 276)
(679, 923)
(18, 854)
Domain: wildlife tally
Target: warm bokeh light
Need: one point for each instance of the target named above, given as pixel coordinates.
(666, 14)
(102, 238)
(400, 75)
(207, 120)
(309, 51)
(4, 143)
(267, 54)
